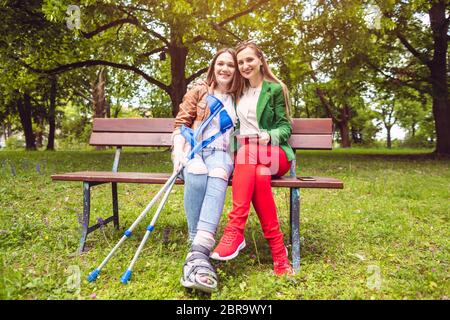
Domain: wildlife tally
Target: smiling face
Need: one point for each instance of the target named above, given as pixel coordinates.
(224, 69)
(249, 64)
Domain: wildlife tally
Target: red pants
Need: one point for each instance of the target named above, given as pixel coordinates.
(254, 167)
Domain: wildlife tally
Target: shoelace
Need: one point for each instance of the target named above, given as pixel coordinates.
(229, 236)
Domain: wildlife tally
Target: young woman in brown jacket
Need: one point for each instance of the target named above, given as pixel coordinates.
(206, 175)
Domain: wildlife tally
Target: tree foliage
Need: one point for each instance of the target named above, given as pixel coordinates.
(340, 59)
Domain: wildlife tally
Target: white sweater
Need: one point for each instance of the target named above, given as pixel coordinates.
(246, 111)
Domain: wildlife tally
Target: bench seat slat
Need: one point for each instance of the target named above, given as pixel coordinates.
(161, 178)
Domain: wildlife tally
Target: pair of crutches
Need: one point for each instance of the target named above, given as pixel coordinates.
(225, 123)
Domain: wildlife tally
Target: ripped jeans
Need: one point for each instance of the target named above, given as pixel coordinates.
(205, 184)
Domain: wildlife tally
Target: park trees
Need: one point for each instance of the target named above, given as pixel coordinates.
(325, 46)
(419, 30)
(393, 39)
(25, 35)
(145, 54)
(143, 36)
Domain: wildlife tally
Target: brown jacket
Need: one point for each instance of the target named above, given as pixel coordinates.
(193, 110)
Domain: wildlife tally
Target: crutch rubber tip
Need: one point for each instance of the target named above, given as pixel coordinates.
(93, 275)
(125, 277)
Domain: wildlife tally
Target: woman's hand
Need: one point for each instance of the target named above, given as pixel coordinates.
(178, 153)
(264, 138)
(178, 159)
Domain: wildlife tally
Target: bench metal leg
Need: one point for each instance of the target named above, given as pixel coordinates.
(85, 228)
(115, 203)
(86, 215)
(295, 226)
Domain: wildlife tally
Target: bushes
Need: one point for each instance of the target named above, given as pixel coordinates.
(75, 130)
(417, 141)
(15, 143)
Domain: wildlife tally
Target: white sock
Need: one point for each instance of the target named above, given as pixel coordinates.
(205, 239)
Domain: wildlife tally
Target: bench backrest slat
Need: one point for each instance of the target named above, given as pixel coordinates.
(136, 139)
(156, 132)
(133, 125)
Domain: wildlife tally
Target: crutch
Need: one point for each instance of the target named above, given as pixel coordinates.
(94, 274)
(215, 106)
(225, 124)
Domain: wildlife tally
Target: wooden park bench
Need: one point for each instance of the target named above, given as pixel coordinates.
(306, 134)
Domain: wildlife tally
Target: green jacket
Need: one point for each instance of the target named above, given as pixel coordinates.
(271, 116)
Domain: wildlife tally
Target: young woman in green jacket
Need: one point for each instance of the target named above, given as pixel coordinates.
(263, 112)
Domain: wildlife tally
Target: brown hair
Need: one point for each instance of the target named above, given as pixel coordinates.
(237, 79)
(266, 72)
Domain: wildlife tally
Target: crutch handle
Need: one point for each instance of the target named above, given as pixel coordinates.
(188, 134)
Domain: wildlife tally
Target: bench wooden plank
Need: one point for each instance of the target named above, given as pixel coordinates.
(312, 126)
(142, 139)
(137, 139)
(133, 125)
(311, 141)
(156, 132)
(161, 178)
(165, 125)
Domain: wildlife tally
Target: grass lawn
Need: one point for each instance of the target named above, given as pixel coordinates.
(384, 236)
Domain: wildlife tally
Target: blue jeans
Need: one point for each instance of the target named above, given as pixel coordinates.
(205, 184)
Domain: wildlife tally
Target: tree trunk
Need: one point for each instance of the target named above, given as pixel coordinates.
(413, 129)
(356, 135)
(51, 114)
(117, 109)
(24, 108)
(297, 108)
(98, 94)
(344, 127)
(438, 68)
(297, 113)
(388, 137)
(5, 137)
(345, 134)
(8, 132)
(178, 86)
(39, 134)
(108, 108)
(341, 122)
(98, 97)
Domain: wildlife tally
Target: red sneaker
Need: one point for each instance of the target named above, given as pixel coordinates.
(229, 246)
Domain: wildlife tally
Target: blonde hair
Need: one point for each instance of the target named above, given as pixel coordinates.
(266, 72)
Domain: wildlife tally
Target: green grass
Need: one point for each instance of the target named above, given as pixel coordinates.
(384, 236)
